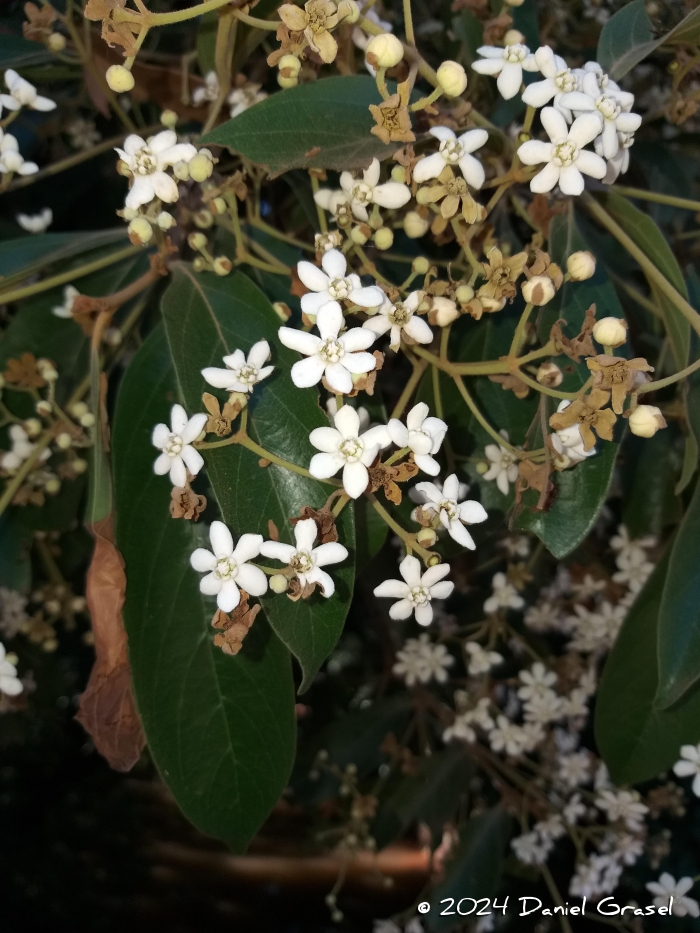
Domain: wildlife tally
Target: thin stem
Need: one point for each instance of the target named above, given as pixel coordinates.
(245, 441)
(419, 368)
(471, 404)
(408, 539)
(255, 21)
(657, 197)
(669, 380)
(545, 390)
(437, 394)
(28, 465)
(408, 22)
(520, 330)
(321, 214)
(556, 897)
(164, 19)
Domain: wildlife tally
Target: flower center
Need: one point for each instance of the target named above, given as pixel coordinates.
(331, 351)
(144, 162)
(419, 595)
(514, 53)
(173, 446)
(302, 562)
(226, 568)
(565, 154)
(362, 192)
(566, 81)
(451, 150)
(449, 506)
(247, 374)
(400, 314)
(608, 107)
(412, 434)
(351, 449)
(339, 289)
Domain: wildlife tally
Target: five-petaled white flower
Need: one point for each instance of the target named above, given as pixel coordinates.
(454, 150)
(689, 765)
(508, 63)
(608, 107)
(481, 660)
(333, 355)
(10, 684)
(415, 592)
(23, 94)
(667, 887)
(176, 443)
(399, 318)
(536, 682)
(305, 559)
(36, 223)
(559, 79)
(241, 98)
(623, 805)
(11, 160)
(70, 293)
(332, 284)
(421, 434)
(503, 467)
(147, 162)
(453, 513)
(565, 156)
(208, 91)
(344, 448)
(241, 374)
(361, 193)
(227, 569)
(504, 595)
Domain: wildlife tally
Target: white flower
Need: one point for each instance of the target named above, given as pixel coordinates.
(594, 629)
(35, 223)
(481, 660)
(147, 162)
(599, 874)
(667, 887)
(623, 805)
(504, 595)
(420, 660)
(333, 355)
(70, 293)
(689, 765)
(22, 448)
(23, 94)
(421, 434)
(587, 587)
(508, 63)
(565, 156)
(400, 318)
(516, 545)
(544, 707)
(623, 846)
(574, 810)
(83, 134)
(12, 161)
(506, 736)
(332, 284)
(574, 769)
(176, 443)
(633, 573)
(330, 199)
(391, 194)
(416, 590)
(13, 614)
(504, 466)
(461, 728)
(453, 150)
(531, 848)
(551, 828)
(630, 550)
(543, 617)
(444, 502)
(244, 97)
(227, 569)
(207, 91)
(608, 107)
(10, 684)
(344, 448)
(241, 374)
(559, 79)
(537, 681)
(568, 441)
(332, 409)
(305, 559)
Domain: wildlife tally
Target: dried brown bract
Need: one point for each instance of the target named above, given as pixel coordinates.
(325, 523)
(220, 419)
(23, 373)
(235, 626)
(185, 503)
(582, 344)
(509, 382)
(386, 477)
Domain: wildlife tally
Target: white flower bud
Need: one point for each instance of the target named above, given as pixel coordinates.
(580, 265)
(610, 331)
(140, 231)
(222, 265)
(56, 42)
(79, 409)
(452, 78)
(359, 235)
(464, 294)
(88, 420)
(443, 312)
(414, 225)
(43, 408)
(203, 219)
(278, 583)
(169, 118)
(197, 241)
(282, 310)
(539, 290)
(32, 426)
(181, 171)
(165, 220)
(119, 79)
(426, 537)
(201, 166)
(112, 337)
(129, 213)
(514, 37)
(286, 83)
(386, 50)
(348, 11)
(64, 441)
(646, 420)
(51, 487)
(549, 374)
(420, 265)
(199, 264)
(46, 370)
(289, 65)
(398, 173)
(79, 465)
(384, 238)
(218, 206)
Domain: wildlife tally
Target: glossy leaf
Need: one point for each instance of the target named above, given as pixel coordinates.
(636, 739)
(21, 257)
(220, 729)
(650, 469)
(626, 39)
(207, 317)
(16, 51)
(325, 124)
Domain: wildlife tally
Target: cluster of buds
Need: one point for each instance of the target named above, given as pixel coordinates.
(205, 262)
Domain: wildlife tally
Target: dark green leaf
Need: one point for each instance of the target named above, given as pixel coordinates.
(626, 39)
(636, 739)
(286, 130)
(16, 51)
(15, 546)
(220, 729)
(651, 467)
(371, 532)
(207, 317)
(21, 257)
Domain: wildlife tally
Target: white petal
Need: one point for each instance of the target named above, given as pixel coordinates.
(554, 124)
(546, 179)
(510, 79)
(585, 128)
(357, 338)
(339, 378)
(379, 324)
(577, 100)
(570, 180)
(307, 372)
(392, 589)
(219, 378)
(371, 175)
(472, 170)
(299, 340)
(326, 439)
(347, 421)
(166, 139)
(355, 479)
(305, 533)
(312, 276)
(160, 436)
(397, 432)
(628, 122)
(247, 548)
(441, 590)
(473, 140)
(590, 164)
(164, 187)
(323, 466)
(534, 151)
(194, 428)
(252, 580)
(418, 329)
(358, 363)
(210, 585)
(330, 553)
(259, 354)
(178, 419)
(161, 465)
(442, 133)
(312, 302)
(202, 560)
(427, 464)
(420, 443)
(433, 574)
(472, 512)
(370, 297)
(416, 416)
(377, 436)
(192, 458)
(431, 492)
(539, 93)
(544, 57)
(392, 194)
(334, 263)
(401, 610)
(489, 66)
(329, 320)
(429, 167)
(424, 614)
(459, 533)
(221, 540)
(178, 473)
(229, 596)
(410, 570)
(278, 551)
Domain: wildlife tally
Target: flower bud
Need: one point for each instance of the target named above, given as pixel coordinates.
(119, 79)
(433, 561)
(513, 37)
(426, 537)
(140, 231)
(201, 167)
(610, 331)
(64, 441)
(112, 337)
(452, 78)
(197, 241)
(79, 465)
(286, 83)
(56, 42)
(398, 173)
(384, 238)
(289, 66)
(199, 264)
(549, 374)
(539, 290)
(646, 420)
(222, 265)
(169, 118)
(218, 206)
(43, 408)
(514, 2)
(51, 487)
(420, 265)
(580, 265)
(360, 235)
(165, 220)
(278, 583)
(443, 312)
(385, 50)
(88, 420)
(415, 226)
(32, 426)
(203, 219)
(348, 11)
(181, 171)
(464, 294)
(79, 409)
(46, 370)
(78, 604)
(282, 310)
(129, 213)
(482, 467)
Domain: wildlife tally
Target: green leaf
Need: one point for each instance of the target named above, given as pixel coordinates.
(207, 317)
(625, 40)
(286, 130)
(15, 547)
(636, 739)
(22, 257)
(650, 469)
(221, 729)
(474, 870)
(679, 616)
(15, 51)
(370, 531)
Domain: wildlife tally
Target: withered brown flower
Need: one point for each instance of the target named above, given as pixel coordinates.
(22, 373)
(509, 382)
(392, 119)
(501, 274)
(235, 626)
(543, 265)
(386, 477)
(40, 21)
(618, 375)
(315, 21)
(453, 191)
(582, 344)
(590, 415)
(220, 419)
(325, 522)
(185, 503)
